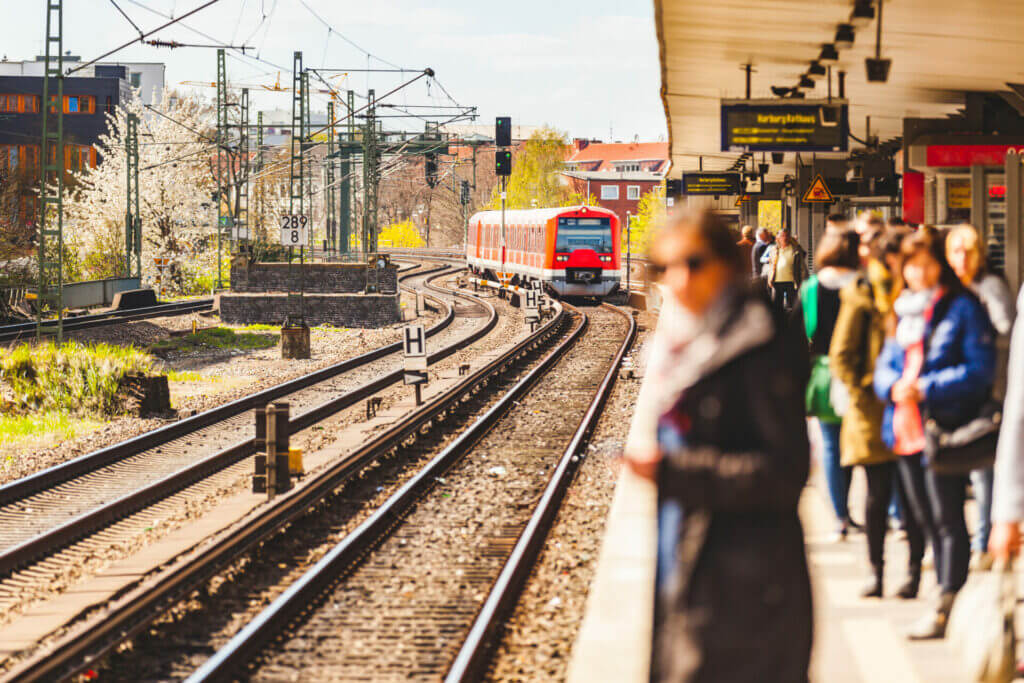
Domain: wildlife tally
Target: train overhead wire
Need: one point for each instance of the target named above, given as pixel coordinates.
(142, 36)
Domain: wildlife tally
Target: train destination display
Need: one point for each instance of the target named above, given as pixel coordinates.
(711, 183)
(771, 126)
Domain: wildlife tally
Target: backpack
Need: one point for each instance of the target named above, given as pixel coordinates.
(826, 397)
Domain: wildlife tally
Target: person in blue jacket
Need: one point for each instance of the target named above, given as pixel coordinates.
(939, 364)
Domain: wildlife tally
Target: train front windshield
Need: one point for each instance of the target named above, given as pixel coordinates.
(584, 233)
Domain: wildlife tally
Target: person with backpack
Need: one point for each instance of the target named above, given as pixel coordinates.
(856, 342)
(937, 367)
(837, 262)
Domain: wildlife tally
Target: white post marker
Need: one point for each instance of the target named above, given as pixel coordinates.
(294, 230)
(414, 347)
(531, 307)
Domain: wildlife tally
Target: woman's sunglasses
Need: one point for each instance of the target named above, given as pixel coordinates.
(693, 263)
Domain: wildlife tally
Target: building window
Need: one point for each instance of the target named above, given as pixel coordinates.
(136, 79)
(633, 192)
(109, 106)
(75, 104)
(609, 192)
(15, 156)
(19, 104)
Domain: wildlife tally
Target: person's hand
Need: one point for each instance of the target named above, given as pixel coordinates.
(905, 392)
(1004, 541)
(643, 462)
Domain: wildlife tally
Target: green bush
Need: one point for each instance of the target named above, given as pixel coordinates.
(216, 338)
(77, 379)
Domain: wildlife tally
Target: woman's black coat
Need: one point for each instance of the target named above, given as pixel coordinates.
(739, 607)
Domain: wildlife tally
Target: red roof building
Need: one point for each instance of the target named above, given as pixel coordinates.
(616, 174)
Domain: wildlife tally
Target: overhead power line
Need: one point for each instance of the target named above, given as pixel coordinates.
(142, 36)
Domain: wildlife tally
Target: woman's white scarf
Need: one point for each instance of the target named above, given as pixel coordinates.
(910, 308)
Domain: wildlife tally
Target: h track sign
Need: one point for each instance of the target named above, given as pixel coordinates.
(414, 346)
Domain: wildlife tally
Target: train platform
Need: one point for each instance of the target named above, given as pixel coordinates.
(856, 640)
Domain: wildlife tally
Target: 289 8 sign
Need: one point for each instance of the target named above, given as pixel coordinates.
(294, 230)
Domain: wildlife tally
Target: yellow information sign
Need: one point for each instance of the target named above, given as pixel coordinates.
(958, 193)
(818, 192)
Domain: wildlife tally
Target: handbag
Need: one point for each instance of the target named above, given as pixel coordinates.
(981, 627)
(969, 447)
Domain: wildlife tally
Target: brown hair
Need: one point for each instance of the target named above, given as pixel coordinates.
(927, 239)
(713, 231)
(838, 249)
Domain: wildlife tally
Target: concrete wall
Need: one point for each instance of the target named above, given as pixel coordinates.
(339, 310)
(326, 278)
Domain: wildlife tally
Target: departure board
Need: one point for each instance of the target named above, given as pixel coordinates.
(775, 126)
(711, 183)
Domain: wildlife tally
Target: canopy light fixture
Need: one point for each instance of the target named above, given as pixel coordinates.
(828, 55)
(780, 91)
(878, 68)
(816, 72)
(805, 83)
(844, 37)
(863, 14)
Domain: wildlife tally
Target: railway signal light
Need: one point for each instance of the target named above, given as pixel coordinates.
(503, 131)
(503, 163)
(431, 169)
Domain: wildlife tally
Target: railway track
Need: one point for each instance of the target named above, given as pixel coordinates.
(445, 555)
(135, 610)
(18, 331)
(45, 517)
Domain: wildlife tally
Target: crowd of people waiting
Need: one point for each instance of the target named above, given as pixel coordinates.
(896, 348)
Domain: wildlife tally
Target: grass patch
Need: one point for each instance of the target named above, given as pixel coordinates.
(72, 379)
(189, 376)
(215, 338)
(260, 327)
(15, 429)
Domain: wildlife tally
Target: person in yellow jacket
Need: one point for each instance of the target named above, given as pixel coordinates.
(856, 342)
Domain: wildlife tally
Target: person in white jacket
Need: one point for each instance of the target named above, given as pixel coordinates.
(1008, 489)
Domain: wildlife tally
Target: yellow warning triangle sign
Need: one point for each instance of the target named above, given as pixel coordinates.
(818, 191)
(742, 198)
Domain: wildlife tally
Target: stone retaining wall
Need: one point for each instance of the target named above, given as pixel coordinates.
(321, 278)
(339, 310)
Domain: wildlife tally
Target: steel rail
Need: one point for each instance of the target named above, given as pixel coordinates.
(241, 649)
(471, 661)
(59, 537)
(16, 331)
(79, 649)
(22, 488)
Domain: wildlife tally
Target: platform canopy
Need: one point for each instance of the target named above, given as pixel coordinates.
(939, 50)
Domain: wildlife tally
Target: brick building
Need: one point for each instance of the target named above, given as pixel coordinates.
(616, 174)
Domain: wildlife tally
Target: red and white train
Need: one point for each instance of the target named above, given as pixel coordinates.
(572, 250)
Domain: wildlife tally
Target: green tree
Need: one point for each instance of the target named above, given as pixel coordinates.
(650, 215)
(536, 179)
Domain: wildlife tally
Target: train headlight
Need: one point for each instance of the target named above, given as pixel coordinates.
(562, 257)
(606, 259)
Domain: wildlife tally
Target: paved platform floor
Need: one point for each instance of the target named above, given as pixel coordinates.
(859, 639)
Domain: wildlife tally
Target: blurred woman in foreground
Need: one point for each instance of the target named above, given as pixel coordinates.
(719, 425)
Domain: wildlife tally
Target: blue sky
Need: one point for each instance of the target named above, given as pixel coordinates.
(588, 68)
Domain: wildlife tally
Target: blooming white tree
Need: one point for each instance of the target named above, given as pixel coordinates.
(175, 186)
